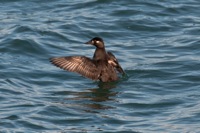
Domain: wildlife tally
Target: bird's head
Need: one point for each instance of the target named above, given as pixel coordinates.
(97, 41)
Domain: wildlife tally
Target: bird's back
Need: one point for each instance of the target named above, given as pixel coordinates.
(107, 73)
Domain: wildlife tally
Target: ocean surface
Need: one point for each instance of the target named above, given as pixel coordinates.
(157, 43)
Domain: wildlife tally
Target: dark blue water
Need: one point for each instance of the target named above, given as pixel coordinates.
(157, 43)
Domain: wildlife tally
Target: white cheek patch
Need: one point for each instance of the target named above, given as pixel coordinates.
(97, 41)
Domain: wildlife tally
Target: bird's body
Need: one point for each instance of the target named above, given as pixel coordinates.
(102, 67)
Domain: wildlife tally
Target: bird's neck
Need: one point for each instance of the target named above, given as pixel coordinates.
(100, 54)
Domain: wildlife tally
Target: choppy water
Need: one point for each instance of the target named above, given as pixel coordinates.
(157, 43)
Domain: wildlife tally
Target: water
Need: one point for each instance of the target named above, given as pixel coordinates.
(156, 42)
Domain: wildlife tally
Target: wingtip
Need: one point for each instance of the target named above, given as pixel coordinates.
(51, 59)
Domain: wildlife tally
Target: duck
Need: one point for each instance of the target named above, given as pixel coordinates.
(104, 66)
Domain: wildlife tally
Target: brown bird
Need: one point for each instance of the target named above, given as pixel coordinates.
(103, 66)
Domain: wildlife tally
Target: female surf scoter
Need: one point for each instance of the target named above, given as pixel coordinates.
(103, 66)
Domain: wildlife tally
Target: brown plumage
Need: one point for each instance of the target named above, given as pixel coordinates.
(80, 64)
(102, 67)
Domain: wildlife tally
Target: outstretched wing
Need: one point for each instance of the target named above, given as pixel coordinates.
(79, 64)
(114, 62)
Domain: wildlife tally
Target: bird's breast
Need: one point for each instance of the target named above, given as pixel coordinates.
(100, 54)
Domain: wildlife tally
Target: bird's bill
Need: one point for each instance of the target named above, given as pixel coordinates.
(89, 42)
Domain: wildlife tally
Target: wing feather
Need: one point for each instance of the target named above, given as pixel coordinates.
(112, 60)
(79, 64)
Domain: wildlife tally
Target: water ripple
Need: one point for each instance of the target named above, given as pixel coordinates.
(156, 43)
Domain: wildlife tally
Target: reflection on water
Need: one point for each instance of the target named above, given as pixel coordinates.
(93, 99)
(156, 43)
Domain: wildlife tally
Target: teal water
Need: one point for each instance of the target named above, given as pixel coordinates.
(157, 43)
